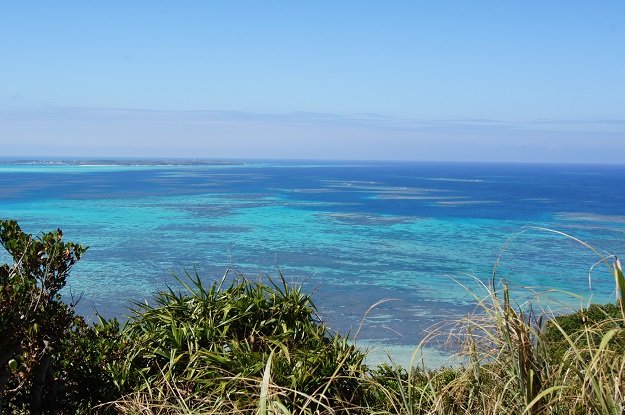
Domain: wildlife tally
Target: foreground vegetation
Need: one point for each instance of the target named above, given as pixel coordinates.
(242, 346)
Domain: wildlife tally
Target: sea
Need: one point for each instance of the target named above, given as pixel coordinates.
(388, 249)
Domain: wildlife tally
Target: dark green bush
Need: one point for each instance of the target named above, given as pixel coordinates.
(84, 366)
(585, 327)
(33, 318)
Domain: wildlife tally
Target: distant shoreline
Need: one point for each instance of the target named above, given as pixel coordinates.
(156, 161)
(122, 162)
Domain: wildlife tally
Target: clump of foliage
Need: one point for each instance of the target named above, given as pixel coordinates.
(33, 319)
(220, 340)
(84, 366)
(51, 360)
(584, 328)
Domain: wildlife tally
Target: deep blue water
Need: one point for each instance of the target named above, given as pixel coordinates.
(354, 232)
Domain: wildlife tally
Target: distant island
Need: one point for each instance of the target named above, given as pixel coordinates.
(124, 162)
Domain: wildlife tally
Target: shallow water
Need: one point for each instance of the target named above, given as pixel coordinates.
(354, 232)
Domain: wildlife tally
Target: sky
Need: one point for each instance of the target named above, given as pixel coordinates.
(532, 81)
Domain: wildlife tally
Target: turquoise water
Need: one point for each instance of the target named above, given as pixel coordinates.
(354, 232)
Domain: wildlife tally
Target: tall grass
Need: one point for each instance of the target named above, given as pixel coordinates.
(521, 359)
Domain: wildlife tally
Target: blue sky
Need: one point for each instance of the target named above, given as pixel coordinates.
(410, 80)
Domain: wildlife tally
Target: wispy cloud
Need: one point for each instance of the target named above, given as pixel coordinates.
(135, 132)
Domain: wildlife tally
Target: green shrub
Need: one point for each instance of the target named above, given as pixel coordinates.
(33, 318)
(84, 367)
(205, 340)
(585, 327)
